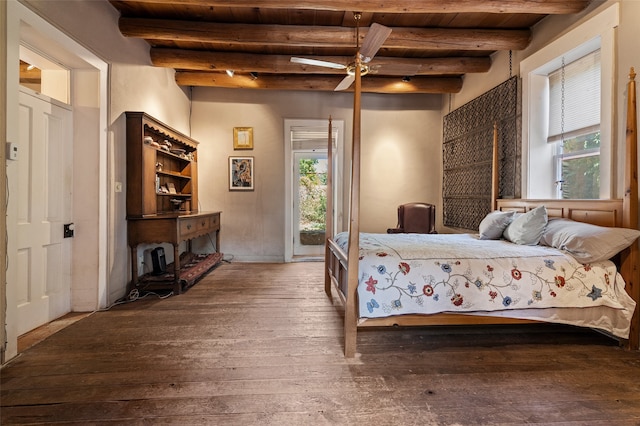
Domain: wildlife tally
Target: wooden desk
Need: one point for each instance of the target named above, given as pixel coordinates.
(172, 229)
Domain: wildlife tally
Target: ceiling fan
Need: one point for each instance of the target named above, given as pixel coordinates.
(372, 42)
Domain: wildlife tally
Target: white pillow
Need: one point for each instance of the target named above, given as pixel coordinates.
(493, 224)
(587, 243)
(527, 229)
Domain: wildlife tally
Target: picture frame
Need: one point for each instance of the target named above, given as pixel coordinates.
(242, 138)
(241, 174)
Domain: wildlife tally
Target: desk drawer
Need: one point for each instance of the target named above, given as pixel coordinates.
(203, 224)
(188, 226)
(214, 222)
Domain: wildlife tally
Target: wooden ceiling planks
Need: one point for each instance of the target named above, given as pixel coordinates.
(272, 31)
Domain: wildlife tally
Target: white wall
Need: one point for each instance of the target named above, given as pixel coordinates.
(401, 139)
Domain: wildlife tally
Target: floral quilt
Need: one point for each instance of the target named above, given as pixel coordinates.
(433, 273)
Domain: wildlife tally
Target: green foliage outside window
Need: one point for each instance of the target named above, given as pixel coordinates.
(312, 196)
(581, 167)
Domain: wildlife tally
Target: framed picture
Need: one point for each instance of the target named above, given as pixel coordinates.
(243, 138)
(241, 171)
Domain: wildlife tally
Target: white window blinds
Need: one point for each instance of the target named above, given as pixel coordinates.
(581, 98)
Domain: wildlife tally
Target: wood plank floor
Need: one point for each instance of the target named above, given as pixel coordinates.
(261, 344)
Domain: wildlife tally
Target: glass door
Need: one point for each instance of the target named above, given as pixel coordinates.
(309, 202)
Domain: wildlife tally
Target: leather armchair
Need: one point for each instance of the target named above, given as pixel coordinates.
(417, 218)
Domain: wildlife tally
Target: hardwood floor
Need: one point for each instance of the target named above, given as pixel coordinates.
(261, 344)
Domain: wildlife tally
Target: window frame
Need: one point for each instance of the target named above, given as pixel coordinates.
(598, 32)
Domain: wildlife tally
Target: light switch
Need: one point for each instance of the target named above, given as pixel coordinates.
(12, 151)
(118, 186)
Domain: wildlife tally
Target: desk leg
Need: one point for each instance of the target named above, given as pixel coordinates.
(176, 269)
(218, 241)
(134, 266)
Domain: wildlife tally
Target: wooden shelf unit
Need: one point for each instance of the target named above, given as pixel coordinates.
(144, 177)
(152, 216)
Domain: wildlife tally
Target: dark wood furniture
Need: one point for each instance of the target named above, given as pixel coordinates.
(152, 166)
(162, 192)
(173, 229)
(415, 217)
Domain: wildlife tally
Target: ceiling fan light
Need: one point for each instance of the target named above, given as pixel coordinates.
(230, 73)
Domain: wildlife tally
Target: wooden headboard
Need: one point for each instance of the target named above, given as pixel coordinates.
(597, 212)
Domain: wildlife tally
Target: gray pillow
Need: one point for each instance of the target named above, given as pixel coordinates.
(527, 229)
(587, 243)
(493, 224)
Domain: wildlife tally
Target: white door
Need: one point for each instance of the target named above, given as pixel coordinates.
(44, 206)
(309, 202)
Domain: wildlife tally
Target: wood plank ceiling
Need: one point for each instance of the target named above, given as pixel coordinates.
(433, 43)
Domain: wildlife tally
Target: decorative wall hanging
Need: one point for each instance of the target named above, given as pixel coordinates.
(241, 173)
(243, 138)
(467, 154)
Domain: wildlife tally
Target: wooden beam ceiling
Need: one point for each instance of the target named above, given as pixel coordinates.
(434, 42)
(546, 7)
(277, 64)
(370, 84)
(314, 36)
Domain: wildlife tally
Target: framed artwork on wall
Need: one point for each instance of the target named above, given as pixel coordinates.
(243, 138)
(241, 173)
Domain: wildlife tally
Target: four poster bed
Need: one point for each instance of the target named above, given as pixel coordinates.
(462, 279)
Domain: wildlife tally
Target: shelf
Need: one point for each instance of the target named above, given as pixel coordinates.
(150, 167)
(173, 174)
(167, 194)
(172, 155)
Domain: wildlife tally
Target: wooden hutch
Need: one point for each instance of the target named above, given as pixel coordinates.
(162, 194)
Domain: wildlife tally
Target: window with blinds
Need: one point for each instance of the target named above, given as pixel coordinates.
(574, 101)
(574, 126)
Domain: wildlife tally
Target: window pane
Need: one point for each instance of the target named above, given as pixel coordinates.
(581, 167)
(581, 178)
(581, 143)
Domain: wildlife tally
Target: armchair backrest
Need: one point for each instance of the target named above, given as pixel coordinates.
(417, 217)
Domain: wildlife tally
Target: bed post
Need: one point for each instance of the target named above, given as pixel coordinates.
(351, 304)
(328, 226)
(629, 258)
(495, 173)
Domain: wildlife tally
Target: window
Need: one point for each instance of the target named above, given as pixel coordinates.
(44, 76)
(574, 127)
(567, 145)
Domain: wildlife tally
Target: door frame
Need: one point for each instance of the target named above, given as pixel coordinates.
(338, 127)
(89, 284)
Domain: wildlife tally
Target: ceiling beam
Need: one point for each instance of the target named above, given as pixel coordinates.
(197, 60)
(551, 7)
(370, 84)
(317, 36)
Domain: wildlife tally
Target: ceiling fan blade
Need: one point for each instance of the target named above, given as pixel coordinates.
(372, 42)
(345, 83)
(318, 63)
